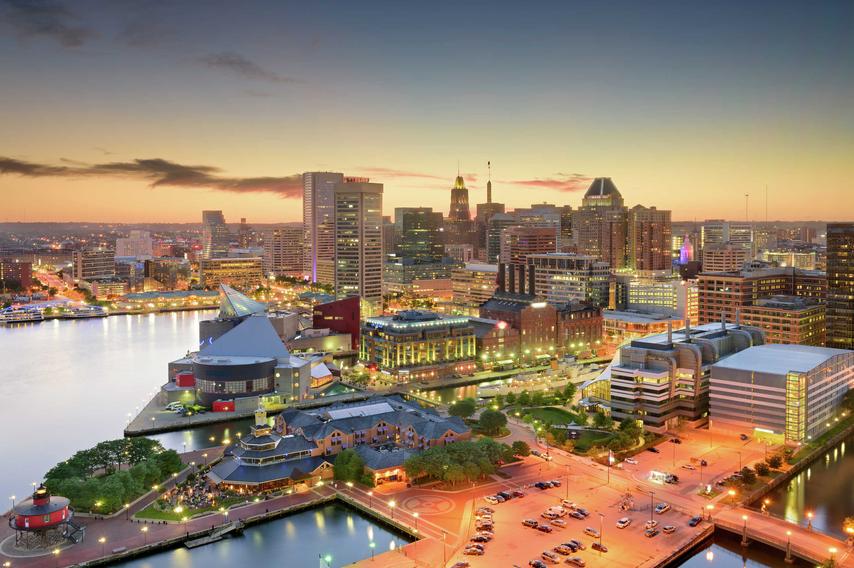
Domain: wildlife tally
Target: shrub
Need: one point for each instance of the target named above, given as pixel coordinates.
(775, 461)
(762, 469)
(492, 421)
(521, 448)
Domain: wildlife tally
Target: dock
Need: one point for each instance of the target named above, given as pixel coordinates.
(216, 534)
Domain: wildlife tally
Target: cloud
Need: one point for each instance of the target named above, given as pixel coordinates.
(389, 173)
(239, 65)
(160, 173)
(45, 18)
(559, 182)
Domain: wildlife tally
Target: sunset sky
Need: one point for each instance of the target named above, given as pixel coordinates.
(136, 111)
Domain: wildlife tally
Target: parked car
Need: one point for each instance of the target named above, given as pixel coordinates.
(571, 545)
(599, 547)
(577, 543)
(653, 449)
(583, 511)
(485, 510)
(555, 483)
(668, 529)
(632, 461)
(744, 437)
(488, 534)
(507, 496)
(559, 523)
(536, 453)
(473, 551)
(694, 521)
(704, 463)
(623, 523)
(576, 561)
(541, 486)
(550, 556)
(530, 523)
(549, 515)
(536, 564)
(575, 514)
(517, 493)
(563, 549)
(591, 532)
(568, 504)
(491, 499)
(544, 528)
(649, 533)
(650, 524)
(461, 564)
(662, 508)
(689, 467)
(676, 440)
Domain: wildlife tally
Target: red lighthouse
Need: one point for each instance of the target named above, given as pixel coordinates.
(43, 520)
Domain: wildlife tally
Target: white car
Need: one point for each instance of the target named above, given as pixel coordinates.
(668, 529)
(173, 406)
(662, 508)
(590, 531)
(651, 524)
(624, 522)
(632, 461)
(491, 499)
(689, 466)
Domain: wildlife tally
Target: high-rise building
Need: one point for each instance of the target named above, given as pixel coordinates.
(519, 242)
(649, 238)
(137, 244)
(686, 251)
(840, 285)
(14, 273)
(243, 273)
(599, 226)
(244, 235)
(560, 278)
(283, 250)
(318, 221)
(216, 237)
(92, 263)
(494, 229)
(420, 234)
(358, 265)
(459, 228)
(716, 232)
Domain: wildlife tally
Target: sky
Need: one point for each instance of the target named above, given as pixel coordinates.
(149, 111)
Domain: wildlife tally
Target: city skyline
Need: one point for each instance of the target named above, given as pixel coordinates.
(131, 115)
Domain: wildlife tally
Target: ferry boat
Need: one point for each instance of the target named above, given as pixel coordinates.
(20, 315)
(86, 312)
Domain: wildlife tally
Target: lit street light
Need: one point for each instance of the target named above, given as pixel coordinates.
(372, 545)
(391, 505)
(103, 541)
(809, 520)
(788, 547)
(56, 555)
(744, 541)
(370, 499)
(145, 534)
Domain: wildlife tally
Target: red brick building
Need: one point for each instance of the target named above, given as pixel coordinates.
(13, 272)
(341, 316)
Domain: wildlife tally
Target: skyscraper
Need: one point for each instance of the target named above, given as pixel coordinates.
(318, 221)
(840, 285)
(599, 226)
(420, 234)
(458, 228)
(283, 250)
(358, 264)
(215, 235)
(649, 238)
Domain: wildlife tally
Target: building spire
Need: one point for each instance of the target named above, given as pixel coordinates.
(489, 182)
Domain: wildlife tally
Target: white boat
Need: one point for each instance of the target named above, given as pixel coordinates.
(86, 312)
(20, 315)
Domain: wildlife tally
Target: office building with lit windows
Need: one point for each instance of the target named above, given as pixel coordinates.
(788, 319)
(565, 277)
(840, 285)
(782, 393)
(318, 223)
(472, 285)
(243, 273)
(663, 379)
(419, 345)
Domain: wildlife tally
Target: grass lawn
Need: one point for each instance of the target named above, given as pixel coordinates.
(551, 414)
(152, 512)
(589, 439)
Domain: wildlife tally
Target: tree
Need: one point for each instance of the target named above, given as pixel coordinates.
(762, 469)
(748, 476)
(601, 420)
(774, 462)
(569, 392)
(492, 421)
(521, 448)
(511, 398)
(524, 399)
(463, 408)
(499, 400)
(349, 466)
(538, 398)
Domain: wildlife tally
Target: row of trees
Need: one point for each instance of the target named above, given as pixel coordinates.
(460, 461)
(538, 398)
(490, 421)
(95, 479)
(349, 466)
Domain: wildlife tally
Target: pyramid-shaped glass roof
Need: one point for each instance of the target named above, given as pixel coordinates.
(233, 304)
(253, 337)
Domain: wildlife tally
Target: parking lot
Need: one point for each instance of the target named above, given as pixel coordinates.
(516, 544)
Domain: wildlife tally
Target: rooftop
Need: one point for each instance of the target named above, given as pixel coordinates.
(779, 359)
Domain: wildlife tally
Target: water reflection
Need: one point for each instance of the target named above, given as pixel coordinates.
(824, 490)
(724, 551)
(332, 529)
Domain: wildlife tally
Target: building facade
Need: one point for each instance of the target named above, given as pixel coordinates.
(91, 263)
(560, 278)
(242, 273)
(137, 244)
(419, 345)
(517, 243)
(216, 237)
(472, 285)
(283, 251)
(725, 258)
(782, 393)
(358, 242)
(341, 316)
(649, 238)
(318, 222)
(788, 320)
(840, 285)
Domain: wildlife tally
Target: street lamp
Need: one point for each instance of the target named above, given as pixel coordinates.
(372, 545)
(145, 534)
(370, 499)
(832, 551)
(56, 555)
(601, 530)
(103, 541)
(127, 511)
(744, 541)
(13, 501)
(205, 455)
(709, 509)
(731, 494)
(809, 520)
(788, 547)
(416, 515)
(391, 505)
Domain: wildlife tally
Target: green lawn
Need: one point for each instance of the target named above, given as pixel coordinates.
(589, 439)
(551, 415)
